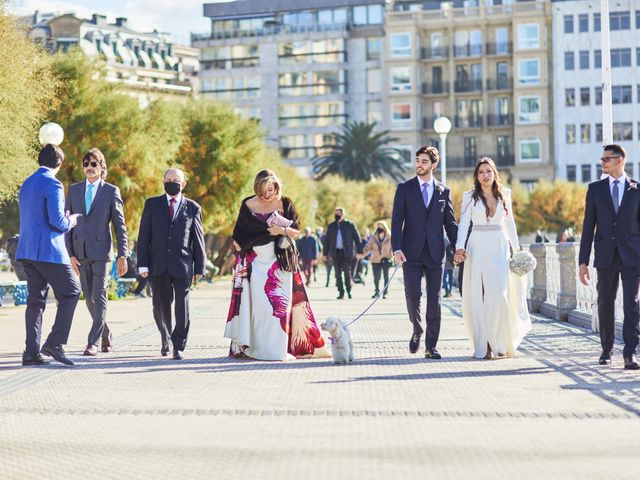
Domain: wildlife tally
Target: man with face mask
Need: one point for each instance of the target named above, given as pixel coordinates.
(171, 252)
(342, 244)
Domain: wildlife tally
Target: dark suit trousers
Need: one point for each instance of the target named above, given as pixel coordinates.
(165, 289)
(608, 279)
(343, 266)
(413, 271)
(94, 280)
(66, 290)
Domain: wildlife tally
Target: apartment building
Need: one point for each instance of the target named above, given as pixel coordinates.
(484, 64)
(577, 82)
(303, 68)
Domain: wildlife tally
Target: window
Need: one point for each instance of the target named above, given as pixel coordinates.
(367, 15)
(327, 82)
(585, 133)
(373, 80)
(599, 132)
(620, 57)
(374, 112)
(528, 36)
(583, 22)
(374, 48)
(400, 45)
(596, 22)
(586, 173)
(294, 146)
(475, 42)
(294, 83)
(529, 71)
(502, 41)
(470, 150)
(584, 59)
(503, 150)
(598, 100)
(570, 97)
(438, 108)
(571, 173)
(375, 13)
(569, 60)
(637, 18)
(570, 133)
(401, 79)
(360, 15)
(568, 24)
(529, 110)
(401, 114)
(585, 96)
(621, 94)
(622, 131)
(405, 153)
(637, 56)
(597, 58)
(530, 150)
(619, 20)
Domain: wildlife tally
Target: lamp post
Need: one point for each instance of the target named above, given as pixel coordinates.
(51, 133)
(442, 126)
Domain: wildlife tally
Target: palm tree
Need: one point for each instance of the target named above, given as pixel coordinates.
(358, 153)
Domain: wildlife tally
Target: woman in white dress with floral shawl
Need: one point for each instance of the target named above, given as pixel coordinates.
(494, 303)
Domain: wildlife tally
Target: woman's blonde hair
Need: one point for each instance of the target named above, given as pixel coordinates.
(262, 180)
(384, 225)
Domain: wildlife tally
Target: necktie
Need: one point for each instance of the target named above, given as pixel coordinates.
(172, 202)
(616, 197)
(425, 195)
(88, 197)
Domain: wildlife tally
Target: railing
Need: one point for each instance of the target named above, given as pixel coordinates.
(499, 84)
(499, 48)
(269, 31)
(472, 13)
(434, 53)
(468, 86)
(468, 162)
(497, 120)
(469, 121)
(467, 50)
(439, 88)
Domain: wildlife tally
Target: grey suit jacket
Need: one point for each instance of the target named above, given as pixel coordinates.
(91, 237)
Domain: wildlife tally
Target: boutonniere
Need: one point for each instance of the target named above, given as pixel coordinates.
(440, 187)
(632, 186)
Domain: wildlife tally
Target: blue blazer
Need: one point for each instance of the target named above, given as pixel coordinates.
(413, 225)
(42, 219)
(608, 230)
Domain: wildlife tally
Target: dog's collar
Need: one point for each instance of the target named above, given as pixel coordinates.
(333, 340)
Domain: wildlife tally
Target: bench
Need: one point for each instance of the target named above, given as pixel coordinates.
(18, 290)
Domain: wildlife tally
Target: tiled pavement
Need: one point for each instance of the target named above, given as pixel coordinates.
(550, 412)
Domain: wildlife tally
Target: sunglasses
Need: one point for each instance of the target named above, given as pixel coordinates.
(94, 164)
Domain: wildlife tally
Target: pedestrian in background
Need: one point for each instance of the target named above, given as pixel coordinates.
(308, 251)
(342, 245)
(379, 247)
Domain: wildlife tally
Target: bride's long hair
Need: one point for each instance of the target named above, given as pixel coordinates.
(496, 187)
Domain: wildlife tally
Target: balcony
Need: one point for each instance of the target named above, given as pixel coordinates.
(434, 53)
(496, 120)
(467, 50)
(470, 121)
(501, 48)
(462, 86)
(502, 83)
(439, 88)
(468, 162)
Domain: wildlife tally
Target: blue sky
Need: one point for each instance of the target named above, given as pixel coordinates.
(178, 17)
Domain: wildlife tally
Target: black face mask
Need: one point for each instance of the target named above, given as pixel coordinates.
(379, 230)
(172, 188)
(337, 217)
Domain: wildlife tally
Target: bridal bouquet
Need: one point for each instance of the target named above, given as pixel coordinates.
(522, 263)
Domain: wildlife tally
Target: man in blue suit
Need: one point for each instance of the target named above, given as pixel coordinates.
(612, 224)
(43, 253)
(421, 212)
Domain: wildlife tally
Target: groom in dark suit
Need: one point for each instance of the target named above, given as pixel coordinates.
(171, 252)
(89, 243)
(421, 212)
(612, 223)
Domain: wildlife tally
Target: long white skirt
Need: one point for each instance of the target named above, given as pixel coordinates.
(494, 303)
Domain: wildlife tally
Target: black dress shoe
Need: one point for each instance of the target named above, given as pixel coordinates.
(605, 358)
(177, 355)
(349, 294)
(631, 363)
(30, 360)
(57, 353)
(164, 351)
(340, 297)
(433, 354)
(375, 295)
(414, 343)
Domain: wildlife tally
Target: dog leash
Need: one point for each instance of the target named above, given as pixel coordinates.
(384, 289)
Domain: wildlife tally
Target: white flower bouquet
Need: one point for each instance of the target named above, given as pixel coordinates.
(522, 263)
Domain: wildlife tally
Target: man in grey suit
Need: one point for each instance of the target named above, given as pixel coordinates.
(89, 242)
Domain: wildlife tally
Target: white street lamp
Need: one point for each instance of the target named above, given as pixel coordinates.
(51, 133)
(442, 126)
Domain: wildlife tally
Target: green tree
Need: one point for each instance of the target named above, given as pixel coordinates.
(359, 153)
(334, 191)
(27, 92)
(554, 206)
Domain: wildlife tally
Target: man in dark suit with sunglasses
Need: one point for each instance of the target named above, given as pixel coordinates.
(89, 243)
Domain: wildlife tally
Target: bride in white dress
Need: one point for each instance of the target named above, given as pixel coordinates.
(494, 304)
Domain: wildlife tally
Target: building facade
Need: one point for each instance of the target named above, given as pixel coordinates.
(147, 64)
(486, 66)
(578, 85)
(303, 68)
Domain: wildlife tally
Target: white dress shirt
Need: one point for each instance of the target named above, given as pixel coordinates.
(621, 187)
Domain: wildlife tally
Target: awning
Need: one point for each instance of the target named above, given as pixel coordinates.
(89, 48)
(157, 59)
(134, 57)
(107, 50)
(145, 59)
(170, 61)
(124, 54)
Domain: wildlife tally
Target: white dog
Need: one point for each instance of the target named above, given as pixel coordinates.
(341, 340)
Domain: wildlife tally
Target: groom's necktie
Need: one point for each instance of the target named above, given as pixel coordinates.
(425, 195)
(88, 197)
(616, 197)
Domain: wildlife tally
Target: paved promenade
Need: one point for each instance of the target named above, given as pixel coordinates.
(552, 412)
